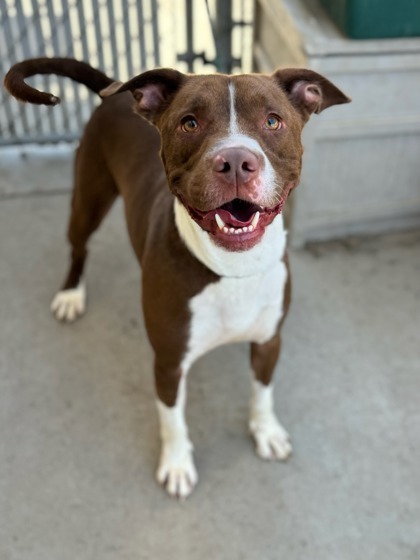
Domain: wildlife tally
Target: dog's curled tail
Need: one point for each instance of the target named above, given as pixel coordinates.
(81, 72)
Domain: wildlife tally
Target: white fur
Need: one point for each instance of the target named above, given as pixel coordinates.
(272, 440)
(68, 305)
(233, 124)
(245, 304)
(267, 182)
(262, 256)
(176, 468)
(236, 309)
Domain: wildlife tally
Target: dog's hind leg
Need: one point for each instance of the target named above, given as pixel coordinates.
(93, 196)
(271, 439)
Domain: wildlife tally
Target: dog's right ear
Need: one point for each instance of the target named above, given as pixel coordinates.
(153, 90)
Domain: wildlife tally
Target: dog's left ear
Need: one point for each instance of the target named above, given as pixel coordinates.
(153, 90)
(308, 91)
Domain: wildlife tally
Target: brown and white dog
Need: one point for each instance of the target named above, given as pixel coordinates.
(212, 246)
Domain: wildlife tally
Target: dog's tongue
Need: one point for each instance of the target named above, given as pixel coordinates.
(228, 218)
(237, 213)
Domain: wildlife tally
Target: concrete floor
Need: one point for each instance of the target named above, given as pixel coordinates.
(79, 437)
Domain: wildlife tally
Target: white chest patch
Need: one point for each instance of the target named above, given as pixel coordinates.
(246, 304)
(236, 309)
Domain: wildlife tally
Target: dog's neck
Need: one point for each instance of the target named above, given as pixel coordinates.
(260, 258)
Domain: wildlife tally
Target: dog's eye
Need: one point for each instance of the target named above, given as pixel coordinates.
(272, 122)
(189, 124)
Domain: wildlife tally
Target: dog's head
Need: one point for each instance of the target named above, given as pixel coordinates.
(231, 145)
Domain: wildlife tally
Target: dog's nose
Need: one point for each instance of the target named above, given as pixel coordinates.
(236, 165)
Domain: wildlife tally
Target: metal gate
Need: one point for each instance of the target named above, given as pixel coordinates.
(121, 37)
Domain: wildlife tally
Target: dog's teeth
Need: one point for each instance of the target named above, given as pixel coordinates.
(255, 220)
(219, 222)
(236, 231)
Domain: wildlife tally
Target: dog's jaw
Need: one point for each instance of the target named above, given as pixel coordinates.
(239, 224)
(269, 250)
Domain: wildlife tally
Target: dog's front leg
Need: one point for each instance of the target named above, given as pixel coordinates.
(271, 439)
(176, 471)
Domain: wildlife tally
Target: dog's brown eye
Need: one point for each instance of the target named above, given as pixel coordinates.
(272, 122)
(189, 124)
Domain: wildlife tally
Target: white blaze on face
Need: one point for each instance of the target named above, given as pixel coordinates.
(237, 139)
(233, 123)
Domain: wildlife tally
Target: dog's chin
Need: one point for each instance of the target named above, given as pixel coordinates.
(237, 225)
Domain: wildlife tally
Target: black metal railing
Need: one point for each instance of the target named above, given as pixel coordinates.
(121, 37)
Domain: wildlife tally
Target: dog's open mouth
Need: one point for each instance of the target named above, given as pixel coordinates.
(238, 224)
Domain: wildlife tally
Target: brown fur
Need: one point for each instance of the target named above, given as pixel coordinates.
(119, 154)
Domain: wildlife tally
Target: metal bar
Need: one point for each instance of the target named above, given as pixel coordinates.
(54, 25)
(83, 38)
(23, 32)
(211, 21)
(36, 21)
(68, 34)
(112, 38)
(155, 26)
(36, 139)
(142, 42)
(242, 29)
(190, 35)
(11, 55)
(27, 110)
(189, 55)
(98, 33)
(10, 129)
(23, 38)
(127, 35)
(224, 36)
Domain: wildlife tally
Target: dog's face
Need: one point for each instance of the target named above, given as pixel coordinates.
(232, 153)
(231, 145)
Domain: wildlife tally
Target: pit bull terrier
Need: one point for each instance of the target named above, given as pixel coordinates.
(203, 192)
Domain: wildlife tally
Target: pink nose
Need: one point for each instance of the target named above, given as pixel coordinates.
(236, 165)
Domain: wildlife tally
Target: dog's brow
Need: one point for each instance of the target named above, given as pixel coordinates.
(196, 103)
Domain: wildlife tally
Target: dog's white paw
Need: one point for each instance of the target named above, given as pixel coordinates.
(68, 305)
(271, 439)
(177, 472)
